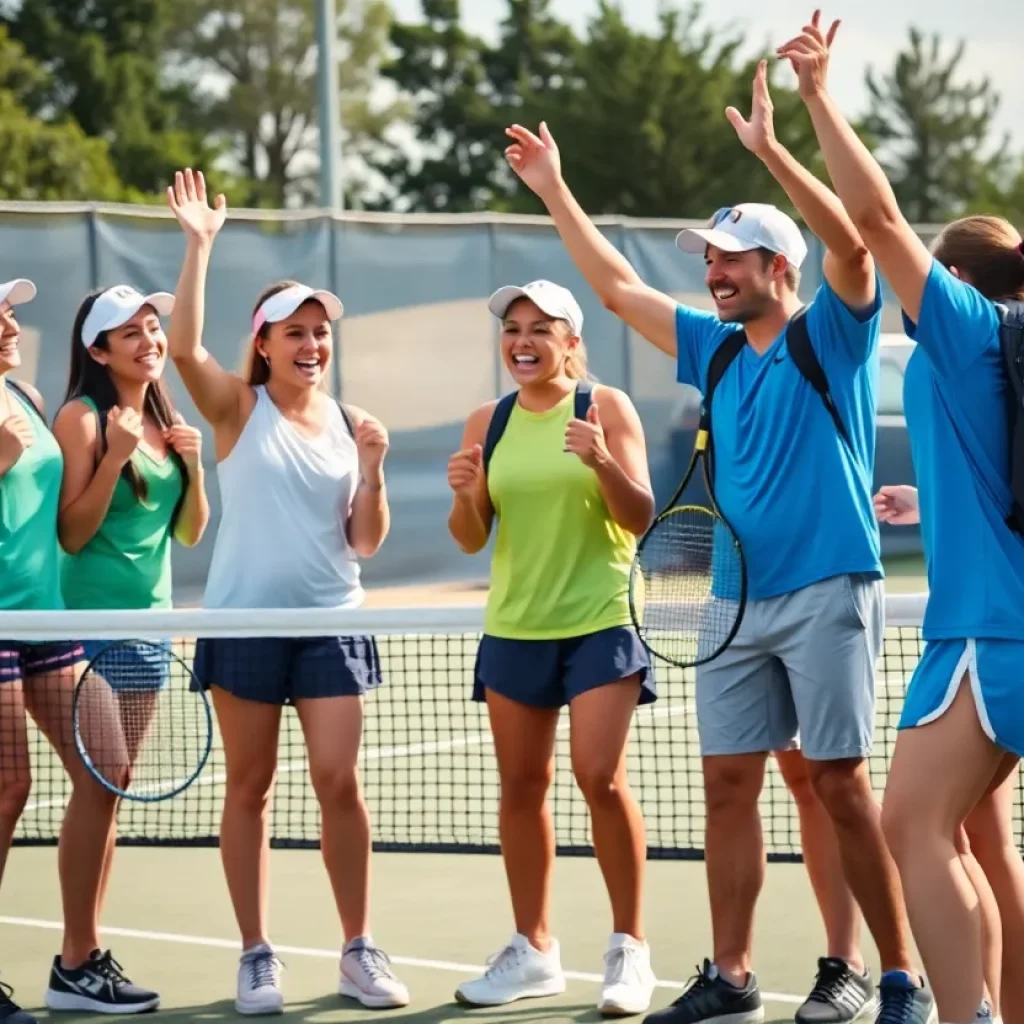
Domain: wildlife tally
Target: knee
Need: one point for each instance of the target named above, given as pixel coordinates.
(730, 786)
(900, 831)
(525, 788)
(601, 786)
(13, 798)
(844, 790)
(337, 788)
(249, 790)
(802, 791)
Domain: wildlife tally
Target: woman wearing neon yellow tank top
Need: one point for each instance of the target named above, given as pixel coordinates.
(568, 496)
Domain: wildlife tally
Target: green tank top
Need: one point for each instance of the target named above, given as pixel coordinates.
(561, 563)
(30, 554)
(127, 563)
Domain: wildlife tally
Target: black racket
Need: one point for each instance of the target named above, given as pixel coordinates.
(688, 583)
(142, 722)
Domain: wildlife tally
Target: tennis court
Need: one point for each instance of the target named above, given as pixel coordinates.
(439, 897)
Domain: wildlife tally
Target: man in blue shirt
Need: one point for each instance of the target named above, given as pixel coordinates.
(799, 498)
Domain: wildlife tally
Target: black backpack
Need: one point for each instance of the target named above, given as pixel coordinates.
(503, 410)
(1011, 341)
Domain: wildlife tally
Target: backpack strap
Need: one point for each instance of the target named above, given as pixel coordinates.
(721, 359)
(33, 405)
(798, 341)
(347, 417)
(1011, 341)
(584, 396)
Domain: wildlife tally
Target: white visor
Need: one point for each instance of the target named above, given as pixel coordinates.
(283, 304)
(18, 291)
(116, 306)
(551, 299)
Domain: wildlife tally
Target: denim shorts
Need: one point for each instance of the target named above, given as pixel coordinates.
(282, 670)
(551, 673)
(22, 661)
(129, 665)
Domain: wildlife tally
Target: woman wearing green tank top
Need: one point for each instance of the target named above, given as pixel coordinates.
(568, 497)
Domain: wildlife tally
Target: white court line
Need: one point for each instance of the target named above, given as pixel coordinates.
(643, 714)
(332, 954)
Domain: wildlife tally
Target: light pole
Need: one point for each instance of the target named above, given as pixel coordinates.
(331, 193)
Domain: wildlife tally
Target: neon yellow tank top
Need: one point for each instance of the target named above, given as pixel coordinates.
(561, 563)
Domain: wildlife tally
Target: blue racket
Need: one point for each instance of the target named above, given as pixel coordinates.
(142, 723)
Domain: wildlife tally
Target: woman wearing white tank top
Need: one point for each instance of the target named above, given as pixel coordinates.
(302, 497)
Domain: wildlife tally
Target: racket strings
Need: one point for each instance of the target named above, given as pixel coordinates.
(140, 723)
(691, 591)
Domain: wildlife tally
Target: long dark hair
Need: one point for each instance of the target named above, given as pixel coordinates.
(90, 379)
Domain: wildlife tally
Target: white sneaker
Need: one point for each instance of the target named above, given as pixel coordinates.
(366, 975)
(628, 977)
(519, 971)
(259, 982)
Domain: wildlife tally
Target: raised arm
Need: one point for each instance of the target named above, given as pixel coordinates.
(858, 179)
(848, 266)
(649, 312)
(218, 394)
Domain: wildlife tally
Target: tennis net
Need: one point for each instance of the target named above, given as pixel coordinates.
(427, 762)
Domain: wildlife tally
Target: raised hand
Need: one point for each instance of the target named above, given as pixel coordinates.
(897, 505)
(187, 198)
(534, 158)
(757, 134)
(187, 442)
(809, 53)
(466, 470)
(371, 445)
(123, 434)
(585, 438)
(15, 436)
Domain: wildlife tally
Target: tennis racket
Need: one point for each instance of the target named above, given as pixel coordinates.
(688, 582)
(142, 723)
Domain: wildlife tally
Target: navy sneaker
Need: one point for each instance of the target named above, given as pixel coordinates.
(839, 996)
(710, 999)
(901, 1001)
(99, 985)
(10, 1011)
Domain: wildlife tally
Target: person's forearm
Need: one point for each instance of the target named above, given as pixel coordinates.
(370, 519)
(603, 266)
(195, 510)
(859, 181)
(631, 504)
(819, 206)
(79, 521)
(185, 331)
(466, 526)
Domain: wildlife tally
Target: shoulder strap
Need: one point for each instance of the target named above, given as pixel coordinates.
(1011, 342)
(347, 417)
(801, 351)
(584, 396)
(33, 405)
(721, 360)
(499, 421)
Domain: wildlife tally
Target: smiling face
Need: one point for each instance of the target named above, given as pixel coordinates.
(135, 352)
(744, 285)
(534, 347)
(298, 349)
(10, 332)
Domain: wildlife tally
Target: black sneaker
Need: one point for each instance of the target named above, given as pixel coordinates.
(98, 985)
(10, 1011)
(903, 1002)
(839, 995)
(709, 999)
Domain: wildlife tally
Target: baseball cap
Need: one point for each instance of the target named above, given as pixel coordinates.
(745, 227)
(551, 299)
(17, 291)
(282, 304)
(116, 306)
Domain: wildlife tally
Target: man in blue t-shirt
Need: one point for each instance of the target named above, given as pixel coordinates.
(799, 499)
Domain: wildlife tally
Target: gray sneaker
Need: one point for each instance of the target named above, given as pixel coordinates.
(839, 996)
(903, 1002)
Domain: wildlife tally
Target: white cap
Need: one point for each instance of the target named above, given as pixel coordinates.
(745, 227)
(116, 306)
(282, 304)
(554, 300)
(17, 291)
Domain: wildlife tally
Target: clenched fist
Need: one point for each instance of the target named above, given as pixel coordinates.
(466, 470)
(585, 438)
(15, 436)
(187, 442)
(123, 434)
(372, 445)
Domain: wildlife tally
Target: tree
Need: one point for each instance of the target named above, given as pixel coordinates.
(44, 161)
(253, 65)
(933, 130)
(104, 64)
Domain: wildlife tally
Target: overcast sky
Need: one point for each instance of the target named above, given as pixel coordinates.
(872, 33)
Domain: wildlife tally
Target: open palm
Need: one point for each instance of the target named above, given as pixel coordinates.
(534, 158)
(187, 198)
(758, 133)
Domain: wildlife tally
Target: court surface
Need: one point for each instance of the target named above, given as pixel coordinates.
(169, 922)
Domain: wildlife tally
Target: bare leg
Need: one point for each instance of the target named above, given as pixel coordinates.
(991, 927)
(15, 769)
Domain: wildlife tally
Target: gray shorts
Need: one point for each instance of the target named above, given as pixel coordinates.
(801, 666)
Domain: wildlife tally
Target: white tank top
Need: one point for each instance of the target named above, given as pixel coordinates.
(285, 503)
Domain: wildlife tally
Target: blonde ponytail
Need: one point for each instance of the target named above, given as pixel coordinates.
(576, 363)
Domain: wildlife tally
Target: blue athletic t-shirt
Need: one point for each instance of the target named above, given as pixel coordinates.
(955, 398)
(797, 497)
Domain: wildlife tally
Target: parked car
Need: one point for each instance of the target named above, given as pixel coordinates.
(893, 464)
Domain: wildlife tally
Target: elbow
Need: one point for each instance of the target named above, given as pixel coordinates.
(69, 540)
(639, 522)
(366, 548)
(876, 218)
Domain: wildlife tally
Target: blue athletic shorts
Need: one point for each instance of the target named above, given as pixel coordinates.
(551, 673)
(129, 665)
(282, 670)
(995, 673)
(22, 661)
